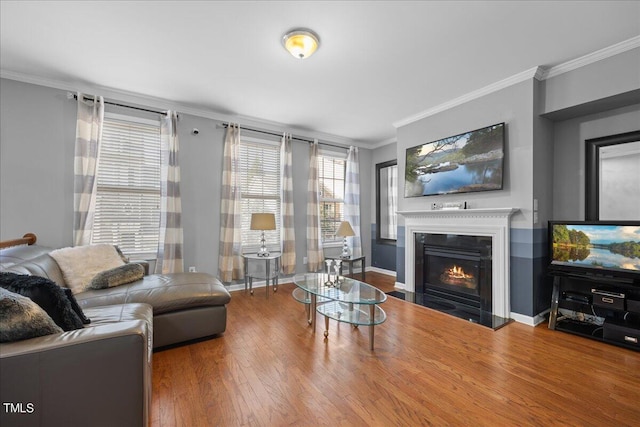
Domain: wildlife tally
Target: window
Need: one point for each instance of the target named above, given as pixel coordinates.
(128, 186)
(331, 173)
(260, 181)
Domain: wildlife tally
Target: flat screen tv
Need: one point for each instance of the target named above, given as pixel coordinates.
(602, 248)
(471, 161)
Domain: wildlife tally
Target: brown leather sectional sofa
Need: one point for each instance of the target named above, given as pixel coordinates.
(101, 375)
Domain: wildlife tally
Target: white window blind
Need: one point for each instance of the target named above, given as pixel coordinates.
(260, 181)
(331, 172)
(128, 186)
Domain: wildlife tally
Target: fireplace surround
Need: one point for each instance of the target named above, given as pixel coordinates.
(490, 265)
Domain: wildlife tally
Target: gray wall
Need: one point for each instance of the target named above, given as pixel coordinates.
(513, 105)
(37, 135)
(547, 124)
(36, 169)
(594, 84)
(569, 155)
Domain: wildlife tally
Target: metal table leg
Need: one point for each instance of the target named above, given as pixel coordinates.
(267, 279)
(372, 312)
(326, 326)
(313, 311)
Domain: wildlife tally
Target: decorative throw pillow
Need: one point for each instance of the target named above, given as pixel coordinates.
(80, 264)
(47, 294)
(117, 276)
(21, 318)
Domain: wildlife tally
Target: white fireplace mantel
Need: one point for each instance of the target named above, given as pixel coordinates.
(492, 222)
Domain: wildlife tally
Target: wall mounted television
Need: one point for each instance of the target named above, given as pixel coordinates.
(603, 248)
(468, 162)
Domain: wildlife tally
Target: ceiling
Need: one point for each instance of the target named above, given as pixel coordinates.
(379, 61)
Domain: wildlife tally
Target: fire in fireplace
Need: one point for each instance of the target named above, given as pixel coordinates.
(456, 276)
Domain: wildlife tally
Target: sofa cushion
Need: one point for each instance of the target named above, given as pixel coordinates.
(48, 295)
(165, 292)
(80, 264)
(117, 276)
(21, 318)
(17, 254)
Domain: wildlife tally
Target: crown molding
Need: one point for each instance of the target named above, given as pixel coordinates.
(598, 55)
(539, 73)
(384, 142)
(494, 87)
(165, 104)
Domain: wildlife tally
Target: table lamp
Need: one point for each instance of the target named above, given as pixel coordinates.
(263, 221)
(345, 231)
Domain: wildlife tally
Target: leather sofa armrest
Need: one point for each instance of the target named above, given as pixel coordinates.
(99, 375)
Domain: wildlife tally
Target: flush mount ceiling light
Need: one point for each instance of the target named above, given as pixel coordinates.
(301, 43)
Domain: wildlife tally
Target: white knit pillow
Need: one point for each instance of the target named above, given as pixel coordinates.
(81, 263)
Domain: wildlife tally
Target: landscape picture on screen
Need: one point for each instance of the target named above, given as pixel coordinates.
(471, 161)
(597, 246)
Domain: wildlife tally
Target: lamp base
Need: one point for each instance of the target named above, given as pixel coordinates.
(346, 252)
(263, 252)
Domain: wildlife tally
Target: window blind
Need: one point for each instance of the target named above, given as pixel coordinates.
(331, 173)
(128, 186)
(260, 182)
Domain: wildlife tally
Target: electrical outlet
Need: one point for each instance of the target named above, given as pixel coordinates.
(305, 260)
(192, 269)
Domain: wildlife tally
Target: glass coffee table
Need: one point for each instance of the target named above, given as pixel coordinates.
(351, 301)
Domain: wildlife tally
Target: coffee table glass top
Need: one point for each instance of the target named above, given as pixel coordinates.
(349, 290)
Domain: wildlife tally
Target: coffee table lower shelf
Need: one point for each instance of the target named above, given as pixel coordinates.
(353, 314)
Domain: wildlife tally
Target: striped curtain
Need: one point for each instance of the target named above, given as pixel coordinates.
(352, 200)
(315, 253)
(90, 118)
(169, 259)
(230, 258)
(288, 260)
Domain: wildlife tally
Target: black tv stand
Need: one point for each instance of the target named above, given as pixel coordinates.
(616, 300)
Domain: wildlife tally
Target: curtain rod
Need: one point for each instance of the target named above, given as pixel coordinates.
(164, 113)
(296, 138)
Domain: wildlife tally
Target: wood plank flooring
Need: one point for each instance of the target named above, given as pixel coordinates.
(270, 369)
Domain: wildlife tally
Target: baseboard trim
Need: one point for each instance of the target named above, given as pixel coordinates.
(257, 284)
(381, 271)
(528, 320)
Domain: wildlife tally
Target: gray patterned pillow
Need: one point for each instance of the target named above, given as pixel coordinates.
(21, 318)
(126, 273)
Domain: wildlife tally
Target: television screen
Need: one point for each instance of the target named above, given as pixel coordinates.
(604, 247)
(471, 161)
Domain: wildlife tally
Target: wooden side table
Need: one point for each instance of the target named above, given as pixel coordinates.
(349, 261)
(269, 275)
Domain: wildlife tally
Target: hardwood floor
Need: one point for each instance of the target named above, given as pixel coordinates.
(270, 369)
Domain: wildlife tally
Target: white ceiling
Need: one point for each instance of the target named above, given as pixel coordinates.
(379, 61)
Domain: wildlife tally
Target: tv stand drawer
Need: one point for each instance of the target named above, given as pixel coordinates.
(622, 333)
(608, 299)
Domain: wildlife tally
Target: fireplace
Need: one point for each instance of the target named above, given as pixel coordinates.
(456, 274)
(458, 262)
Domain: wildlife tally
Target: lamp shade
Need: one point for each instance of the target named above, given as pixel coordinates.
(301, 43)
(263, 221)
(345, 230)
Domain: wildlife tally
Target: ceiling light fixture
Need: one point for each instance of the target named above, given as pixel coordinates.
(301, 43)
